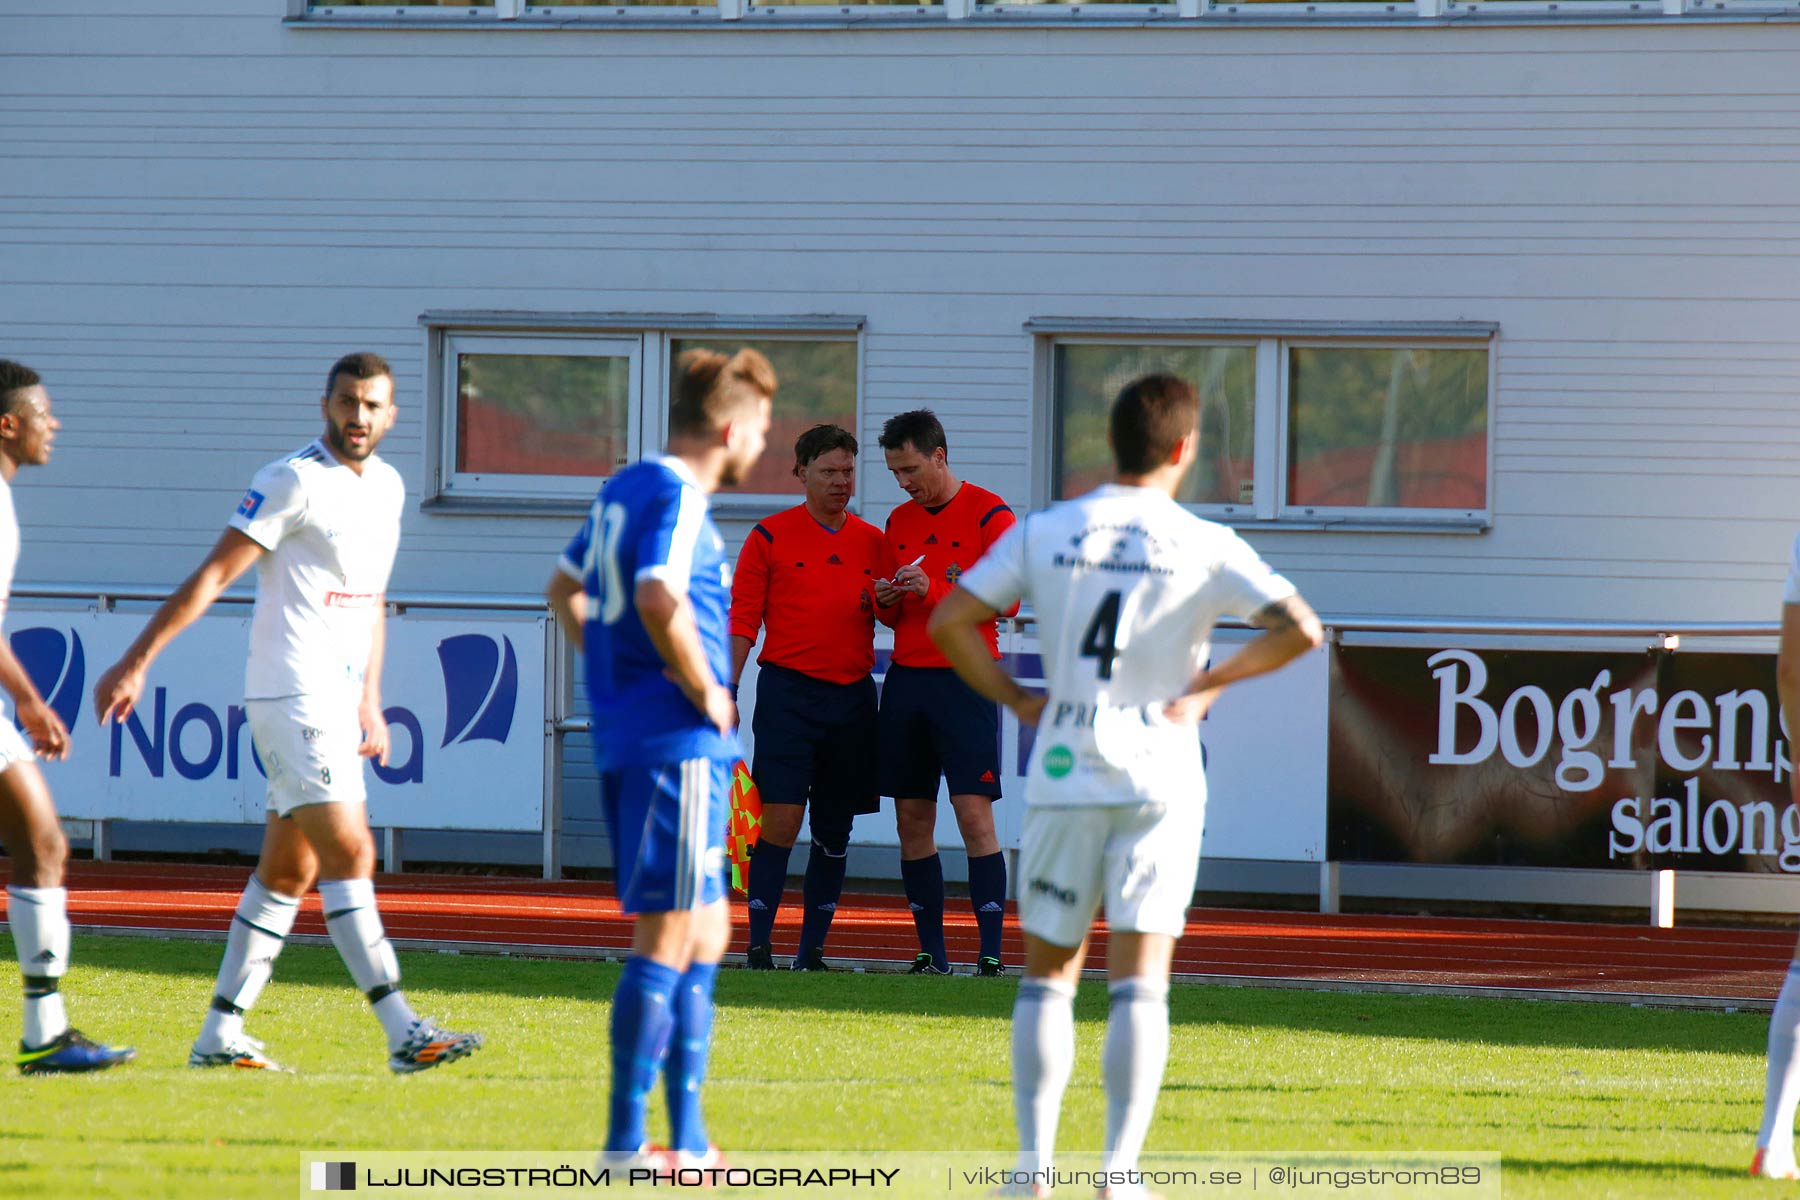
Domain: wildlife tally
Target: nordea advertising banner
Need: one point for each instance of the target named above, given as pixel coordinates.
(1540, 758)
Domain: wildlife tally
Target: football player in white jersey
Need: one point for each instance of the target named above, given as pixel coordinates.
(1126, 586)
(1774, 1155)
(36, 902)
(321, 526)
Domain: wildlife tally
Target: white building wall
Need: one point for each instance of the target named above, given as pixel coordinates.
(203, 207)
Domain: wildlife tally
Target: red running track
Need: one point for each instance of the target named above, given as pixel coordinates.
(1589, 961)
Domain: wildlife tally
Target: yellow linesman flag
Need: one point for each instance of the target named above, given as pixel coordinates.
(744, 827)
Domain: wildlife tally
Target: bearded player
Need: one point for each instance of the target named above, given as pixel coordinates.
(321, 527)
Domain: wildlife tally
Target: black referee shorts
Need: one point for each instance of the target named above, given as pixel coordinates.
(815, 743)
(933, 724)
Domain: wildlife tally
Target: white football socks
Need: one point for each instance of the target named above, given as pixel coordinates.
(1043, 1055)
(1136, 1050)
(40, 927)
(356, 931)
(259, 930)
(1781, 1093)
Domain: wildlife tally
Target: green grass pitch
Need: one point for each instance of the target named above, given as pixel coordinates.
(1581, 1099)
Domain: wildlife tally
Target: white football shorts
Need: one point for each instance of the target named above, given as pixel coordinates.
(1139, 861)
(309, 750)
(13, 746)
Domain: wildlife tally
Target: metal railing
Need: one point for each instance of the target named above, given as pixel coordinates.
(560, 721)
(106, 598)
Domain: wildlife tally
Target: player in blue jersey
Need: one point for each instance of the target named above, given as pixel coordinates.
(644, 590)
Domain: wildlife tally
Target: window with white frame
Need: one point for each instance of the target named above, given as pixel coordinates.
(541, 416)
(817, 387)
(1364, 428)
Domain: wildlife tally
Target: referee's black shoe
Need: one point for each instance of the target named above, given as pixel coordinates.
(987, 965)
(812, 960)
(758, 958)
(926, 965)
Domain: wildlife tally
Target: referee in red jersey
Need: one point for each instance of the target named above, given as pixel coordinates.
(807, 577)
(932, 723)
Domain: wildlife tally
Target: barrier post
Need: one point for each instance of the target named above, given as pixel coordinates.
(1662, 899)
(556, 694)
(1328, 887)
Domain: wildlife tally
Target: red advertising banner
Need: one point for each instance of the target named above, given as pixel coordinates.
(1553, 759)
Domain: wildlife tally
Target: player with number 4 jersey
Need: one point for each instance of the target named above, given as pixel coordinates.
(1127, 586)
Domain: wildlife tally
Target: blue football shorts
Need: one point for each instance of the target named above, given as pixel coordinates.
(668, 832)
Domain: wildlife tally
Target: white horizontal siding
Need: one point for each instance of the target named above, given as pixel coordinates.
(203, 208)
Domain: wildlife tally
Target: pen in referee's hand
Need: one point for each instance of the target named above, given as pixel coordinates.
(895, 581)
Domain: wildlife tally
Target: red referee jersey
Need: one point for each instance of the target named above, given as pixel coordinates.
(814, 592)
(952, 539)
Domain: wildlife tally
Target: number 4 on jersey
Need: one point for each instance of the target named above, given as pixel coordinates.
(1100, 641)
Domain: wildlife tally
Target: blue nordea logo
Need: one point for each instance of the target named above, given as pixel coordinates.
(57, 668)
(481, 694)
(481, 687)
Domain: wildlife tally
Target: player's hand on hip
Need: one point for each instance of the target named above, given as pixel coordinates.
(1191, 708)
(117, 692)
(374, 731)
(49, 736)
(1029, 708)
(913, 579)
(719, 708)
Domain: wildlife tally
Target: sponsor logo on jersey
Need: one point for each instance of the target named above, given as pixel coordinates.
(1058, 761)
(249, 504)
(309, 734)
(352, 599)
(1061, 895)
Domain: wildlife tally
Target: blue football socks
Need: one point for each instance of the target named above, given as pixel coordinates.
(642, 1017)
(685, 1070)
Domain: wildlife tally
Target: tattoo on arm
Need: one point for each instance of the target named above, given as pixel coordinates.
(1278, 617)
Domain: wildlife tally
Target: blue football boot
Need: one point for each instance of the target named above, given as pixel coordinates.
(69, 1053)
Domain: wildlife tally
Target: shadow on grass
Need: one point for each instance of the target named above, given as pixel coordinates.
(840, 995)
(1647, 1169)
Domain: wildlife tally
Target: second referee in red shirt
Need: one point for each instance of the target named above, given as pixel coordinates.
(806, 576)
